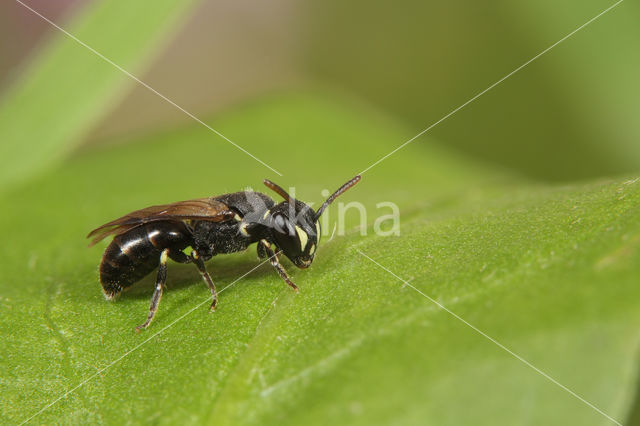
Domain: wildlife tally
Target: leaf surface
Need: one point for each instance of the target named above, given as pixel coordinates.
(549, 272)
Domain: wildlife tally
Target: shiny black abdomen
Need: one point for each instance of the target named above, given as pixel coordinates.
(136, 253)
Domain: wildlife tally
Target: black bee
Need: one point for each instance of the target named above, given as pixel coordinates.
(145, 239)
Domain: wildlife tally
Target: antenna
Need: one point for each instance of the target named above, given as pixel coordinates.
(277, 189)
(335, 195)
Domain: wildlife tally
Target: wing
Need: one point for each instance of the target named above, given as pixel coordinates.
(208, 209)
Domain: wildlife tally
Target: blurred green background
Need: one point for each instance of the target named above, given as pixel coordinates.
(519, 211)
(572, 114)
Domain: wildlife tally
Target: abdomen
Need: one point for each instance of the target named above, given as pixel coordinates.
(134, 254)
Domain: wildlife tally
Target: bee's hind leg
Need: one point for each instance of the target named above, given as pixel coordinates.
(157, 293)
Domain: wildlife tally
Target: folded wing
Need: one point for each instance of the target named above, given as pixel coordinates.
(207, 209)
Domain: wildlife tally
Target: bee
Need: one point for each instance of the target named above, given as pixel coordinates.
(145, 239)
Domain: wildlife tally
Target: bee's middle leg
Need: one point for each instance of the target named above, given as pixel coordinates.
(197, 260)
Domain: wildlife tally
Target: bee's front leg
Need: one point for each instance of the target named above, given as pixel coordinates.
(264, 250)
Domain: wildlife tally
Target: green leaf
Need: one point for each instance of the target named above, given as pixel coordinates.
(549, 272)
(67, 88)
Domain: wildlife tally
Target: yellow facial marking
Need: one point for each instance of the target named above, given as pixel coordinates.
(318, 231)
(302, 236)
(237, 218)
(243, 229)
(312, 249)
(266, 214)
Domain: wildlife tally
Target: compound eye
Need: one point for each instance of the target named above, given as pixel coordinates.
(281, 224)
